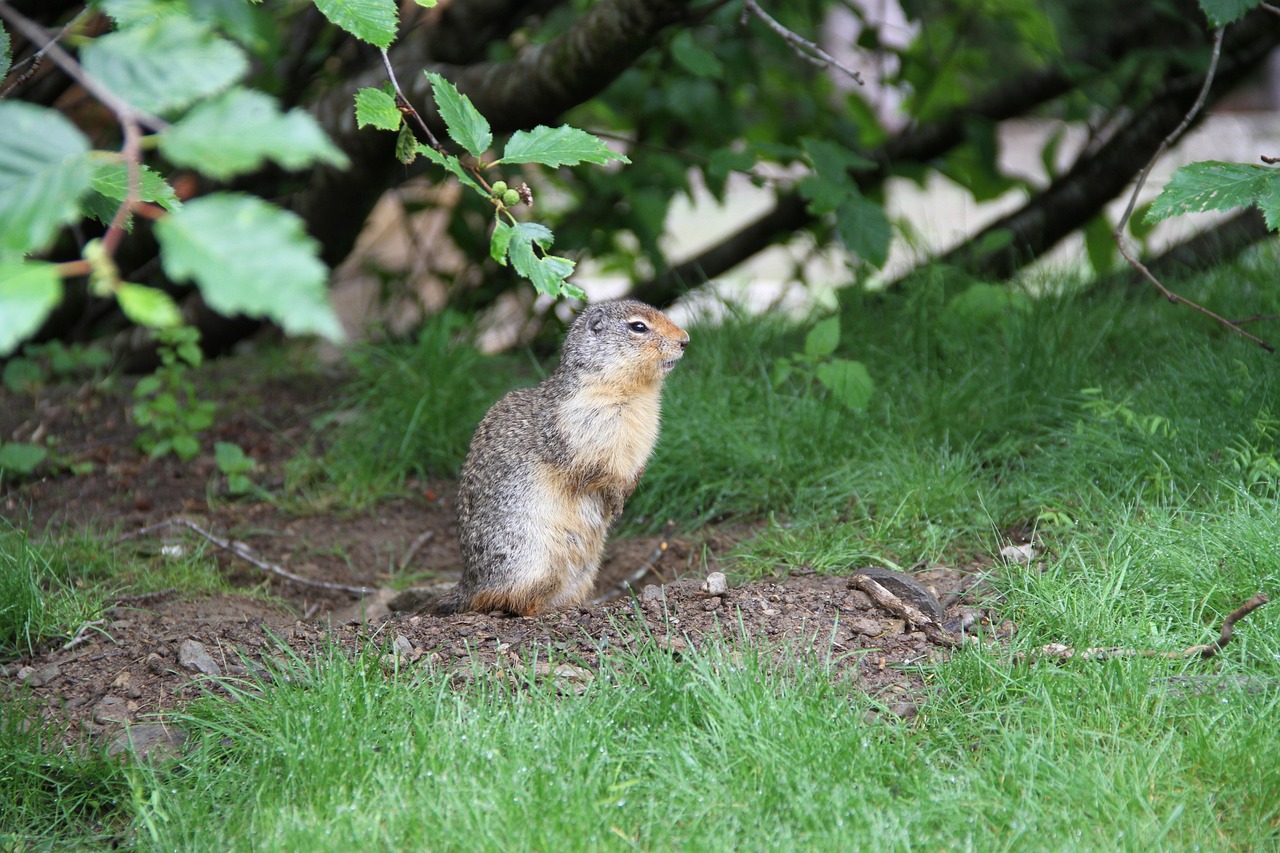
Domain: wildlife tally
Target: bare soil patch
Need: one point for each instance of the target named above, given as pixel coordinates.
(151, 654)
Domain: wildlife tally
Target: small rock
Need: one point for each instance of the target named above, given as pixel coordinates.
(651, 592)
(866, 627)
(148, 740)
(907, 588)
(155, 663)
(1020, 553)
(123, 679)
(716, 584)
(111, 709)
(712, 603)
(402, 646)
(39, 677)
(193, 656)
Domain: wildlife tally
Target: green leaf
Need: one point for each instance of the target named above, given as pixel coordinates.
(148, 306)
(823, 338)
(239, 130)
(43, 171)
(848, 381)
(453, 164)
(558, 146)
(406, 145)
(22, 374)
(547, 273)
(1223, 12)
(830, 185)
(249, 257)
(373, 21)
(231, 458)
(1214, 185)
(185, 446)
(18, 458)
(695, 58)
(1099, 245)
(111, 180)
(864, 229)
(6, 53)
(29, 290)
(465, 124)
(376, 108)
(164, 64)
(500, 241)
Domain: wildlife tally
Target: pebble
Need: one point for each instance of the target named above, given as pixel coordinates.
(716, 583)
(652, 592)
(194, 656)
(155, 663)
(39, 677)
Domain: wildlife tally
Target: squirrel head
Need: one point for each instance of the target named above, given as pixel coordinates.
(623, 339)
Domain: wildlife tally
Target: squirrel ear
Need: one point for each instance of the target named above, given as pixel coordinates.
(596, 320)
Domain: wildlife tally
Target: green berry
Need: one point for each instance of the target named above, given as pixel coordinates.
(499, 188)
(511, 198)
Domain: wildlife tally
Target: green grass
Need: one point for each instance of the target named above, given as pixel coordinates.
(38, 596)
(1141, 443)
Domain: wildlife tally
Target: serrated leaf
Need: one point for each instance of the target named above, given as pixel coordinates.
(1213, 185)
(44, 169)
(547, 273)
(823, 338)
(111, 180)
(864, 229)
(1223, 12)
(19, 458)
(465, 124)
(6, 53)
(373, 21)
(406, 145)
(557, 146)
(376, 108)
(500, 241)
(848, 381)
(241, 129)
(29, 290)
(148, 306)
(164, 64)
(249, 257)
(453, 164)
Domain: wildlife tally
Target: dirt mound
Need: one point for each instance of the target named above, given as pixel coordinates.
(147, 662)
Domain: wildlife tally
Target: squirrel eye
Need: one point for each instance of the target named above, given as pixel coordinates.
(637, 327)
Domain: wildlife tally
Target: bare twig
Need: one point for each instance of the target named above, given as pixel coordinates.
(36, 34)
(81, 635)
(804, 48)
(36, 59)
(245, 553)
(406, 108)
(1256, 318)
(1204, 651)
(909, 613)
(1275, 10)
(414, 546)
(1173, 136)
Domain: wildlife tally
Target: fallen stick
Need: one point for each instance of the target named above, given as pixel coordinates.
(1205, 650)
(909, 613)
(245, 553)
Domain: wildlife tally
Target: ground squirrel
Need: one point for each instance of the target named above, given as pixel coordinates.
(550, 467)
